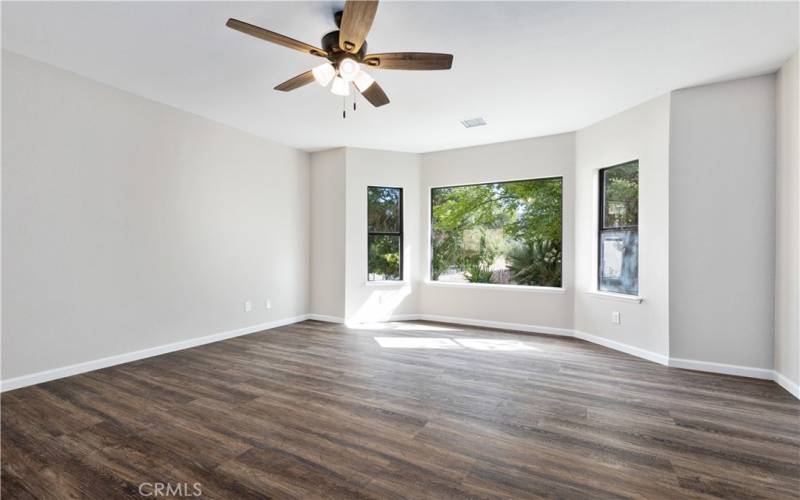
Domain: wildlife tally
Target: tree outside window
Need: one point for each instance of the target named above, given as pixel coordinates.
(618, 238)
(501, 232)
(384, 234)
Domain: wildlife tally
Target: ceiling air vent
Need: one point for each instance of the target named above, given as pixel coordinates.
(473, 122)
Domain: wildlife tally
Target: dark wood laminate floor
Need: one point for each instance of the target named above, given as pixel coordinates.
(413, 410)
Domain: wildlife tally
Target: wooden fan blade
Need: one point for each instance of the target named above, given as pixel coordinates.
(409, 60)
(296, 82)
(271, 36)
(356, 21)
(375, 95)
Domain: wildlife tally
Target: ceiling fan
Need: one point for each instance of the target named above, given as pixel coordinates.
(346, 51)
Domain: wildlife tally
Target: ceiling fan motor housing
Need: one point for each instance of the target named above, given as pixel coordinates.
(330, 43)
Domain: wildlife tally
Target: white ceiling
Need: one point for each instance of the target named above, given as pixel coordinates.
(529, 68)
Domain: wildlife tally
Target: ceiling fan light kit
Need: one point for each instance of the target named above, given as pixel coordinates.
(340, 87)
(363, 81)
(346, 51)
(324, 74)
(348, 69)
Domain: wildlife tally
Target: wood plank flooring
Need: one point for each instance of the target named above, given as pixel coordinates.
(410, 410)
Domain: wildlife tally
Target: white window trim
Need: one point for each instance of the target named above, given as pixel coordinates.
(495, 286)
(618, 297)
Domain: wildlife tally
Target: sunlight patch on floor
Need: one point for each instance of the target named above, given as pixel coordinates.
(405, 327)
(496, 345)
(454, 343)
(416, 343)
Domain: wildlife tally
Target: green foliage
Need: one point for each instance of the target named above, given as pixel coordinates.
(384, 257)
(537, 205)
(383, 209)
(536, 263)
(476, 272)
(478, 265)
(446, 252)
(522, 211)
(622, 195)
(383, 216)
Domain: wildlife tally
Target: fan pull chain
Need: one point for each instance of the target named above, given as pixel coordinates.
(355, 96)
(344, 107)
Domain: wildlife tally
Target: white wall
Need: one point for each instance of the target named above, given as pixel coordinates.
(639, 133)
(416, 174)
(370, 302)
(128, 224)
(787, 262)
(527, 159)
(327, 195)
(722, 222)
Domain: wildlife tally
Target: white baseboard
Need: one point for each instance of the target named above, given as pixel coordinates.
(705, 366)
(708, 366)
(405, 317)
(549, 330)
(738, 370)
(96, 364)
(626, 348)
(781, 380)
(393, 317)
(519, 327)
(325, 318)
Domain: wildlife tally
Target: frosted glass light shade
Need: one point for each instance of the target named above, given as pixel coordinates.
(340, 87)
(363, 81)
(348, 69)
(324, 73)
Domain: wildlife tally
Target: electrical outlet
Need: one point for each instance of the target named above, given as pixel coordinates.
(248, 306)
(269, 303)
(615, 317)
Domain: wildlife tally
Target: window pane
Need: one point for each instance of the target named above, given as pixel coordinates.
(383, 210)
(621, 196)
(502, 233)
(619, 261)
(384, 257)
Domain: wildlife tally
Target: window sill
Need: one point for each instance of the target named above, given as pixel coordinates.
(490, 286)
(385, 283)
(618, 297)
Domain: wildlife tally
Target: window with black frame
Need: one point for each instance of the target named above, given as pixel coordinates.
(384, 234)
(498, 233)
(618, 238)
